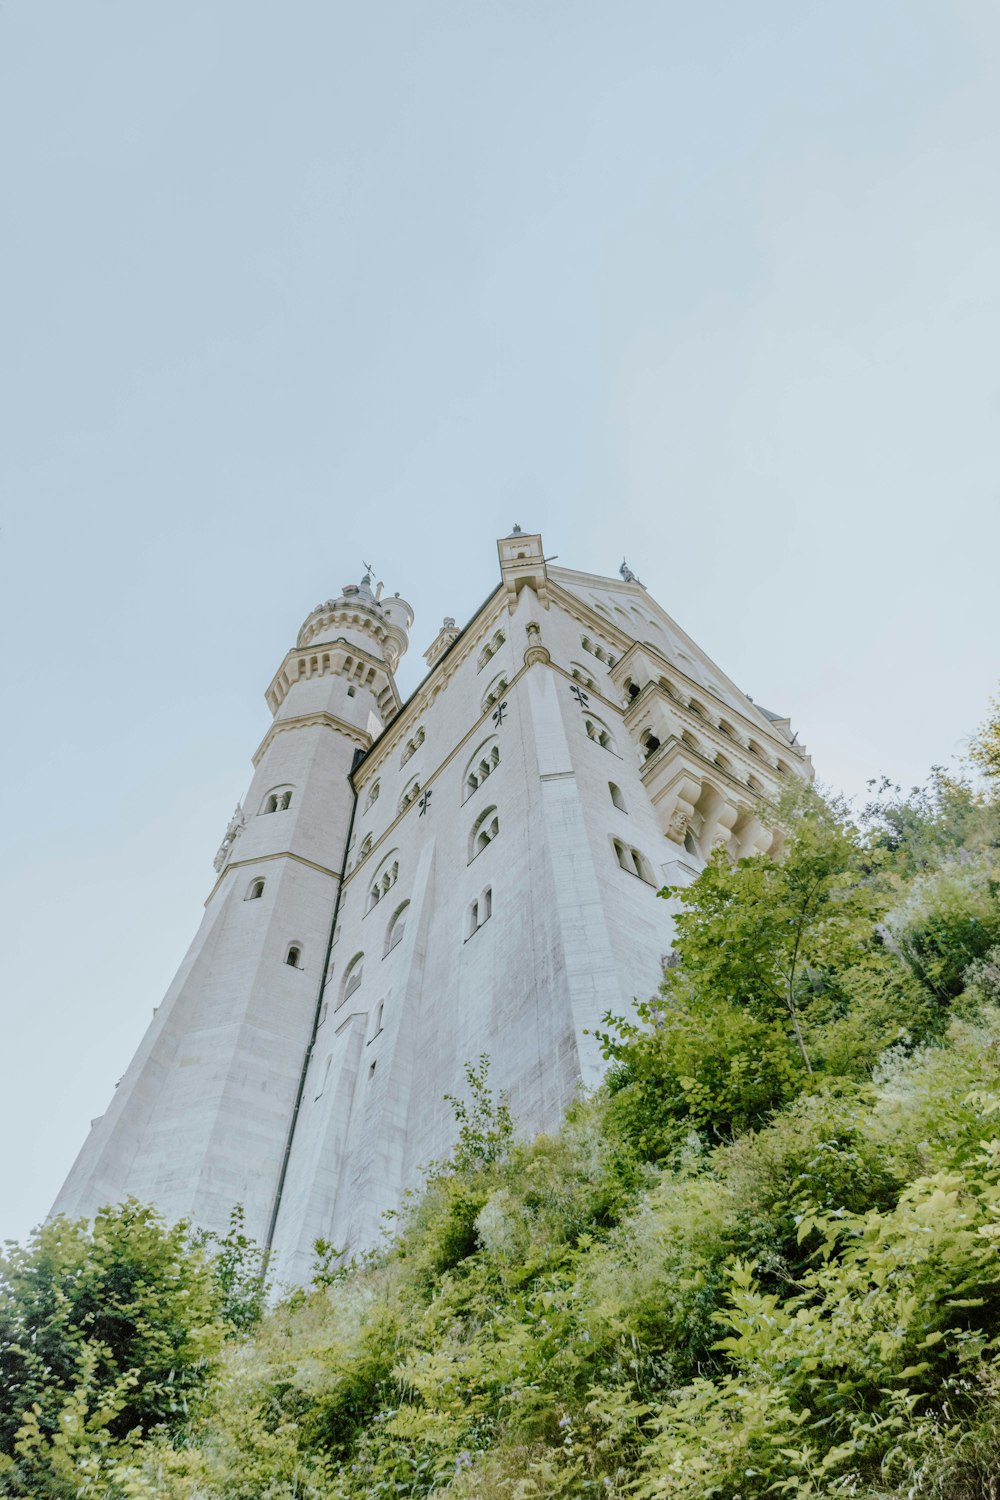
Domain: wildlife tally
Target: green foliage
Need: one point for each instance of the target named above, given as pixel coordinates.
(240, 1273)
(106, 1332)
(948, 920)
(984, 752)
(485, 1126)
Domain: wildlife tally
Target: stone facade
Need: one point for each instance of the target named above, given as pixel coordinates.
(407, 886)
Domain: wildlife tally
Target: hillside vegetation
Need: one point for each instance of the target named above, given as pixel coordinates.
(761, 1260)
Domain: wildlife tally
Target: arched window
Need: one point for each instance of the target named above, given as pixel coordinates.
(599, 732)
(754, 784)
(723, 764)
(596, 649)
(784, 770)
(385, 877)
(484, 831)
(478, 912)
(277, 799)
(755, 749)
(373, 792)
(255, 890)
(495, 691)
(353, 975)
(581, 675)
(632, 688)
(490, 649)
(413, 745)
(616, 797)
(366, 846)
(482, 764)
(396, 928)
(379, 1013)
(650, 743)
(632, 862)
(727, 728)
(698, 708)
(689, 740)
(410, 792)
(293, 958)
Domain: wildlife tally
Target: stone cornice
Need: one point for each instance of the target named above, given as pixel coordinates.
(698, 690)
(283, 680)
(262, 859)
(309, 721)
(745, 796)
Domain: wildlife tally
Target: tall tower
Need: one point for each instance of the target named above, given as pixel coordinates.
(202, 1118)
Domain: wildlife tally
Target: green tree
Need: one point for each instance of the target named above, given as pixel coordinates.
(125, 1308)
(765, 933)
(984, 752)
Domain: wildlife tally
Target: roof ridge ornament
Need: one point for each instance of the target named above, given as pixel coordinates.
(628, 575)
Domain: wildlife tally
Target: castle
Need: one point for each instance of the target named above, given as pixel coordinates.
(409, 885)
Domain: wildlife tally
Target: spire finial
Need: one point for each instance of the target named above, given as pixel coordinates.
(515, 530)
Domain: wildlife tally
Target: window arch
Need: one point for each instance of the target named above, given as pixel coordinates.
(413, 745)
(596, 649)
(483, 763)
(478, 912)
(632, 862)
(688, 739)
(484, 831)
(353, 975)
(366, 846)
(373, 792)
(599, 732)
(616, 797)
(490, 649)
(384, 879)
(495, 691)
(410, 792)
(784, 770)
(293, 958)
(255, 890)
(277, 799)
(650, 743)
(581, 675)
(396, 928)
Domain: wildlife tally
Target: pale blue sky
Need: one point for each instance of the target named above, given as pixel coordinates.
(714, 285)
